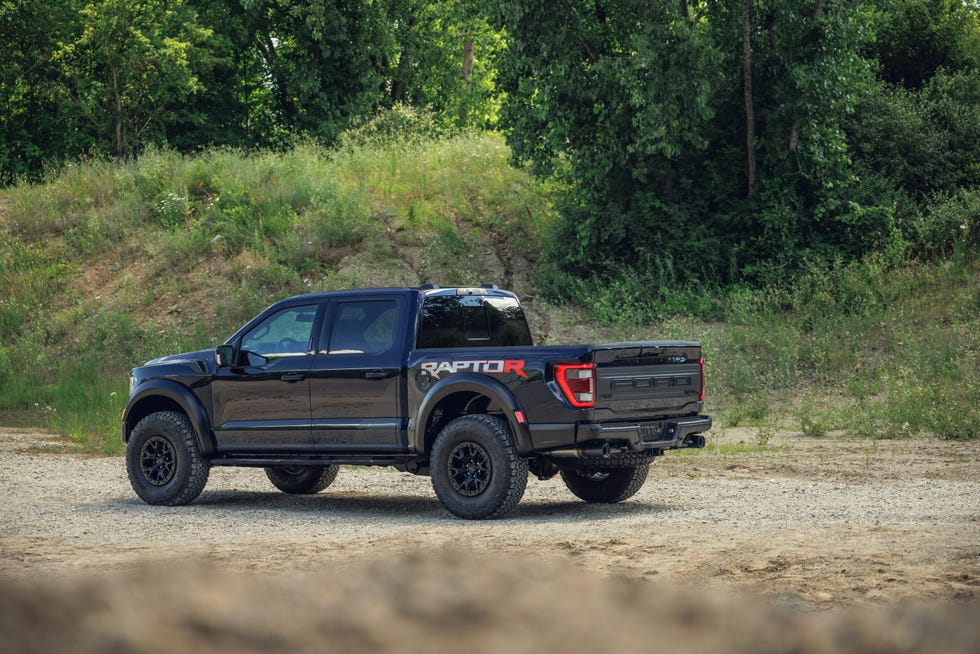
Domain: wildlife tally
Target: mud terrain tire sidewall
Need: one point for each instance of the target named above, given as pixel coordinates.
(490, 439)
(301, 480)
(169, 435)
(606, 486)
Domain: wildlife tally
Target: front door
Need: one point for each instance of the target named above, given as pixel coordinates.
(264, 402)
(355, 380)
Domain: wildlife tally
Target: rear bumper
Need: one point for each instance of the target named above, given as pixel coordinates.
(636, 436)
(656, 435)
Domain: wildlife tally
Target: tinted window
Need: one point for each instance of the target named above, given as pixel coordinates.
(476, 321)
(284, 333)
(361, 327)
(472, 321)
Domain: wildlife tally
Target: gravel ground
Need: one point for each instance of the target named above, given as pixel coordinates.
(809, 523)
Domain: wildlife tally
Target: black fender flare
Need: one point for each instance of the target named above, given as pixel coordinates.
(183, 397)
(476, 383)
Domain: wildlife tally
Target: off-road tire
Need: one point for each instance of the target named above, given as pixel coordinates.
(617, 460)
(605, 486)
(476, 471)
(301, 480)
(164, 461)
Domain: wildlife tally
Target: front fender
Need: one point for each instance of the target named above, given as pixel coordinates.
(165, 395)
(498, 393)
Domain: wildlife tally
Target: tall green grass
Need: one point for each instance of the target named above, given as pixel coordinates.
(866, 348)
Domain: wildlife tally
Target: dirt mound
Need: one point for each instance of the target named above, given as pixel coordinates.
(453, 602)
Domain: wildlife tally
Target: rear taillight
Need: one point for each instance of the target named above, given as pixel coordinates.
(701, 397)
(577, 383)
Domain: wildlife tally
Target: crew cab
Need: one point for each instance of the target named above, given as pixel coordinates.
(433, 381)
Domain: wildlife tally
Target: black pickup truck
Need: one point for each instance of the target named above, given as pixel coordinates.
(436, 381)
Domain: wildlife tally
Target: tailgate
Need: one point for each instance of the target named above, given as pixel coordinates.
(647, 380)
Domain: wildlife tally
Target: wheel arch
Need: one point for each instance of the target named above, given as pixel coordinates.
(163, 395)
(466, 394)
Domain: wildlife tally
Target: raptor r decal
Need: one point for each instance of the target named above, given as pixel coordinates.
(493, 366)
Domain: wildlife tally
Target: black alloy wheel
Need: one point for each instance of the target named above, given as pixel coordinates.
(158, 460)
(469, 469)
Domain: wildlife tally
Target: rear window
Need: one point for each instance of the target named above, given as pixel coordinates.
(472, 321)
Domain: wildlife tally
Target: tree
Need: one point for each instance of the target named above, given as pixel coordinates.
(445, 59)
(614, 98)
(660, 116)
(916, 38)
(235, 105)
(34, 121)
(129, 68)
(329, 64)
(747, 83)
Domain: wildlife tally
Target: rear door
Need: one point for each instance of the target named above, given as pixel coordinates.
(356, 378)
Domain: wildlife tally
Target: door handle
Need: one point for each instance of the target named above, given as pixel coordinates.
(292, 377)
(375, 375)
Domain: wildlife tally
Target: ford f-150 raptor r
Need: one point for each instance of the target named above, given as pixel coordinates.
(436, 381)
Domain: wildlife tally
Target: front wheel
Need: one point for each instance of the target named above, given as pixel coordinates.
(301, 480)
(476, 471)
(605, 486)
(164, 461)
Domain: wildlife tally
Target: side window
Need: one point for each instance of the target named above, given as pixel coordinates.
(364, 327)
(284, 333)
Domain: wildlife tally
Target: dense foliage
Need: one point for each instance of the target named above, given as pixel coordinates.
(690, 142)
(720, 142)
(82, 78)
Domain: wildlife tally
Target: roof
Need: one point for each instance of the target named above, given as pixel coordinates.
(429, 290)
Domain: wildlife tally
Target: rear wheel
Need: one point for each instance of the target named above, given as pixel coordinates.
(301, 480)
(605, 486)
(476, 471)
(164, 461)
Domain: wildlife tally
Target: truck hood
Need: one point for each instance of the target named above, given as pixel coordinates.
(202, 358)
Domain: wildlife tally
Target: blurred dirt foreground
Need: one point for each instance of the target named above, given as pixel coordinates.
(447, 602)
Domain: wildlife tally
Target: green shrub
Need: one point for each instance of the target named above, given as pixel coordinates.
(400, 124)
(950, 224)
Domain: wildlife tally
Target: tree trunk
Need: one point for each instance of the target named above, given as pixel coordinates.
(117, 146)
(399, 85)
(747, 76)
(467, 60)
(794, 130)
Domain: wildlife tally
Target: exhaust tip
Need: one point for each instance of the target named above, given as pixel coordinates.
(694, 440)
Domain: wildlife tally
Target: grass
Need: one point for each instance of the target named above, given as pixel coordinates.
(728, 449)
(872, 350)
(107, 264)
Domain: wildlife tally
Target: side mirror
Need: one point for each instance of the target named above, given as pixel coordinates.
(225, 356)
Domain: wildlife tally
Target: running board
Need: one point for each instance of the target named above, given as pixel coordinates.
(262, 462)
